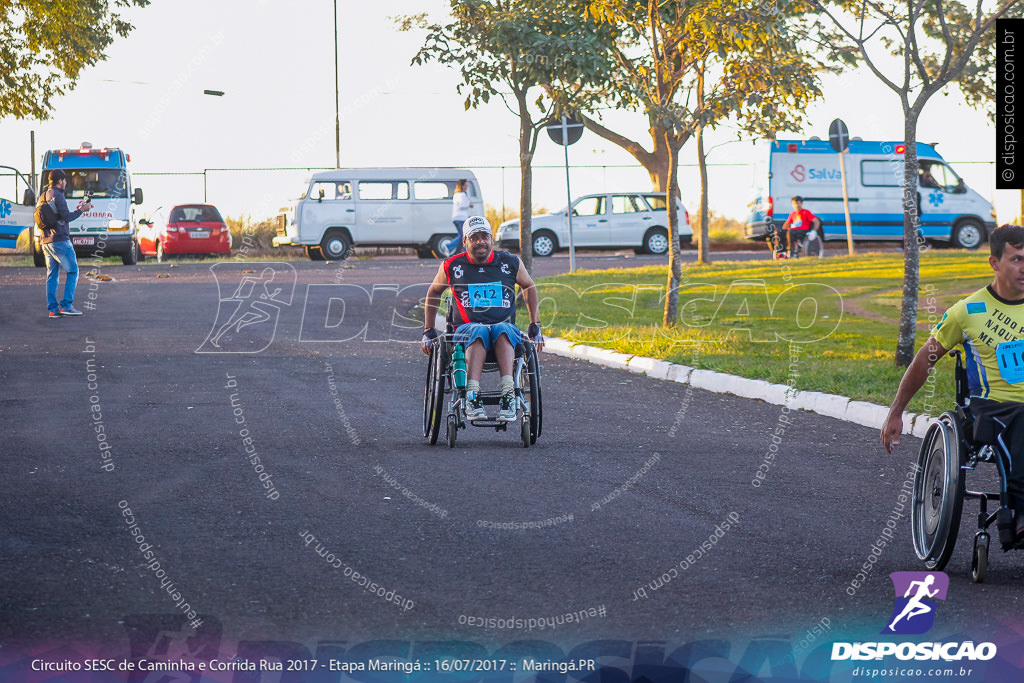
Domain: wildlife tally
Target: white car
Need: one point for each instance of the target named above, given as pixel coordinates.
(604, 221)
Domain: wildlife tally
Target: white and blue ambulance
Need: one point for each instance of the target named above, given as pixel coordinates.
(17, 206)
(101, 173)
(951, 213)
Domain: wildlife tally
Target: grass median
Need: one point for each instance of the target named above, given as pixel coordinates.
(826, 325)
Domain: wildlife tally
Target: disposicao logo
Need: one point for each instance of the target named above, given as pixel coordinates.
(916, 596)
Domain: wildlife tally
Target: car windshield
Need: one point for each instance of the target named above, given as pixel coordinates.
(110, 183)
(194, 214)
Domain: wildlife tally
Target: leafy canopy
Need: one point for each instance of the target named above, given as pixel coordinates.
(44, 46)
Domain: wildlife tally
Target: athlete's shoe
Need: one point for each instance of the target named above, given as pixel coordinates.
(475, 407)
(70, 310)
(53, 315)
(507, 408)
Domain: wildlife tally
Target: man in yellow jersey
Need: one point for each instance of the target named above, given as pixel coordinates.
(990, 325)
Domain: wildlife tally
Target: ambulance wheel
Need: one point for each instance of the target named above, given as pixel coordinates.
(132, 256)
(38, 258)
(979, 560)
(968, 235)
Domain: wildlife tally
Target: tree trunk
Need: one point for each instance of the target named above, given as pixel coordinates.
(911, 254)
(526, 184)
(656, 163)
(675, 269)
(705, 215)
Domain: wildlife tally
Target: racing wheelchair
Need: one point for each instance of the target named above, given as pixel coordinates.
(444, 401)
(948, 453)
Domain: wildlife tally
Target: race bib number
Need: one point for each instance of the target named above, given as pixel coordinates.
(1010, 356)
(485, 295)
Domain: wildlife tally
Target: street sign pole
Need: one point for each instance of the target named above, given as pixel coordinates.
(846, 204)
(568, 194)
(839, 138)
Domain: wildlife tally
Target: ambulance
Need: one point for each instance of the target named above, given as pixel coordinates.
(951, 213)
(17, 206)
(101, 174)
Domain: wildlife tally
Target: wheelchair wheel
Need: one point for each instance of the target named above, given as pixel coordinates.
(452, 430)
(979, 560)
(433, 397)
(531, 389)
(524, 431)
(938, 493)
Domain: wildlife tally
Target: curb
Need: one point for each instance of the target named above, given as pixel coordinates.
(838, 407)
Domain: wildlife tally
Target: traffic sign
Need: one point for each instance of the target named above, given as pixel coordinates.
(839, 135)
(565, 128)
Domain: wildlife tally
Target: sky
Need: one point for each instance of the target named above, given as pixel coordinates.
(274, 62)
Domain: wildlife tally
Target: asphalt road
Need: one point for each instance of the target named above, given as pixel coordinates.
(629, 478)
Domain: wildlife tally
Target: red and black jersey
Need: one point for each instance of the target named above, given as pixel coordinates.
(483, 292)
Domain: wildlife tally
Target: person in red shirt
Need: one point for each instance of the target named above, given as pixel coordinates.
(799, 223)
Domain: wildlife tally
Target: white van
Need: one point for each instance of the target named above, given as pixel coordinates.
(376, 207)
(951, 213)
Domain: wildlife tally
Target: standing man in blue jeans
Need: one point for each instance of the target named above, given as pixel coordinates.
(56, 244)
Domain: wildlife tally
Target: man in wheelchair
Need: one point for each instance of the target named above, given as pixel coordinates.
(990, 325)
(483, 284)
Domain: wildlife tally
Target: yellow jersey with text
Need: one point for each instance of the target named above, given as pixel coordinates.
(991, 330)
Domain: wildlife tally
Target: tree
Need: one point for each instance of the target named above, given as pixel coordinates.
(45, 45)
(516, 50)
(935, 42)
(726, 59)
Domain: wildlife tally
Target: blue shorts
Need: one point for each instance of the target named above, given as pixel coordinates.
(467, 333)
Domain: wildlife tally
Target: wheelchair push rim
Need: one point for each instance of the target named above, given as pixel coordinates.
(938, 494)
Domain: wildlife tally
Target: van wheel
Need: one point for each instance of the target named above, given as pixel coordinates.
(314, 254)
(335, 245)
(437, 245)
(424, 252)
(656, 241)
(544, 243)
(968, 235)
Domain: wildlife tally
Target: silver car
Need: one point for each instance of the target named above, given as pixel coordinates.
(610, 220)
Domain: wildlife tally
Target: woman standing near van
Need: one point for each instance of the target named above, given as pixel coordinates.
(460, 213)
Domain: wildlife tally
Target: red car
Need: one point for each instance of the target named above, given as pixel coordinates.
(190, 229)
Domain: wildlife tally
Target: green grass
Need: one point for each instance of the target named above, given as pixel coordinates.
(838, 316)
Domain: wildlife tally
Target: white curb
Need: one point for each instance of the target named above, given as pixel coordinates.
(829, 405)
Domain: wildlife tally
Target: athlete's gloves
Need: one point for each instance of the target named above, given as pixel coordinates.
(429, 335)
(534, 334)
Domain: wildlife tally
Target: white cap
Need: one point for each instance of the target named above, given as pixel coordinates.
(475, 224)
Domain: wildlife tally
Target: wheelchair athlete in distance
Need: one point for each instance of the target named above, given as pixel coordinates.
(990, 325)
(482, 311)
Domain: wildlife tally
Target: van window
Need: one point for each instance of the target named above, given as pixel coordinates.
(945, 178)
(332, 190)
(387, 189)
(881, 173)
(434, 190)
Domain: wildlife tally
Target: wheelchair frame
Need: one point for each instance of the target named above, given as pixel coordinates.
(441, 384)
(947, 453)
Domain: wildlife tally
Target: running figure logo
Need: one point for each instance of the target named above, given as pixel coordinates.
(247, 319)
(916, 596)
